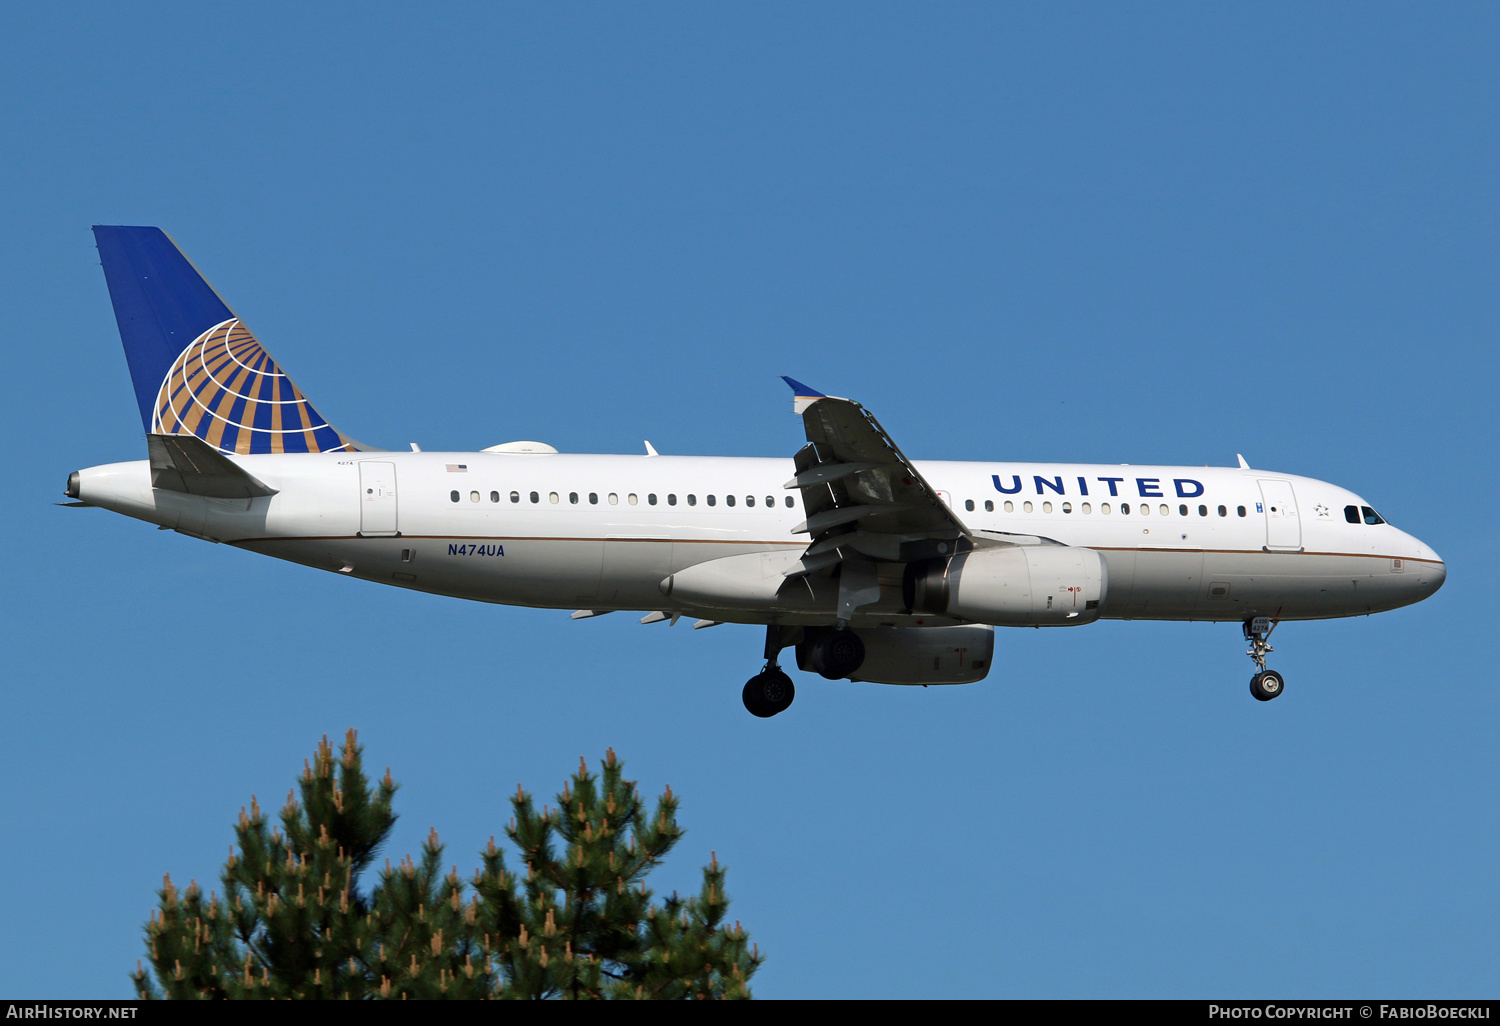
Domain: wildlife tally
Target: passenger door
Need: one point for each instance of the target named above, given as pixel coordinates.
(1283, 527)
(377, 500)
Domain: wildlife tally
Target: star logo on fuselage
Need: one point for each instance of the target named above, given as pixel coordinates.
(1321, 510)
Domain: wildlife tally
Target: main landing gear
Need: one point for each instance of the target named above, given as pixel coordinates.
(833, 652)
(1266, 684)
(770, 691)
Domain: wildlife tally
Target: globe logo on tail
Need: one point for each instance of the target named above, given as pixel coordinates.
(226, 389)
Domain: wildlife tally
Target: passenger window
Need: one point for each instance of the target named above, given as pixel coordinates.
(1241, 510)
(711, 500)
(1010, 507)
(1182, 510)
(771, 501)
(573, 498)
(1223, 512)
(593, 498)
(494, 496)
(989, 506)
(651, 499)
(614, 499)
(535, 497)
(1351, 514)
(1067, 507)
(552, 498)
(789, 503)
(1371, 517)
(1203, 511)
(692, 499)
(749, 500)
(1026, 506)
(473, 496)
(631, 498)
(515, 496)
(1124, 509)
(969, 505)
(1166, 510)
(729, 500)
(671, 499)
(1046, 507)
(1145, 509)
(453, 496)
(1086, 509)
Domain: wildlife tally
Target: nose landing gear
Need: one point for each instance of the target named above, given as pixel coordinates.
(1266, 684)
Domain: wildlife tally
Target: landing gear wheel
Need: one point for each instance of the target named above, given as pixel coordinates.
(838, 654)
(1266, 686)
(768, 693)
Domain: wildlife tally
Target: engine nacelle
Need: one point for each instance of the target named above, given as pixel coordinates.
(1014, 586)
(914, 655)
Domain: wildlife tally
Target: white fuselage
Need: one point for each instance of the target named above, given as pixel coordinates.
(603, 532)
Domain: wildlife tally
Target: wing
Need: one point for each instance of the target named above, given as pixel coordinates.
(860, 492)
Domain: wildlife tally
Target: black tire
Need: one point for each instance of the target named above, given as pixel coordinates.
(838, 654)
(1266, 686)
(754, 703)
(768, 693)
(776, 690)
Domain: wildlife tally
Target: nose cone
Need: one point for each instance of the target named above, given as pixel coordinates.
(1434, 574)
(1430, 570)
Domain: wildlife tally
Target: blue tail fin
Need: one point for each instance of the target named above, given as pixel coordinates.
(197, 369)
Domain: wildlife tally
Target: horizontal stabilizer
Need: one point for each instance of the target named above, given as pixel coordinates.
(186, 463)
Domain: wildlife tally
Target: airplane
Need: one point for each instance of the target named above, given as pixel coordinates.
(868, 565)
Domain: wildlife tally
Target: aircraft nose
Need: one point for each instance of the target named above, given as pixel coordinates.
(1431, 570)
(1435, 574)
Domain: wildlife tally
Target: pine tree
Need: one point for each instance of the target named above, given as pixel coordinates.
(579, 922)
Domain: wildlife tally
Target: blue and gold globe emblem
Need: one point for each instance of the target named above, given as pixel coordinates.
(226, 389)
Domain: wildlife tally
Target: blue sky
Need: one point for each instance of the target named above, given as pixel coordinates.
(1112, 233)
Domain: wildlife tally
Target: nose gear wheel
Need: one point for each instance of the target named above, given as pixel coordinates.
(1266, 684)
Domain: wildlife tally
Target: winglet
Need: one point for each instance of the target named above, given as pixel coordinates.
(802, 396)
(1243, 464)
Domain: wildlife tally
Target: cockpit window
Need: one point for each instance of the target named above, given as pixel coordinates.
(1371, 517)
(1351, 514)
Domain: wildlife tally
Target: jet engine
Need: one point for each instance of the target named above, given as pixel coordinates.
(1012, 586)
